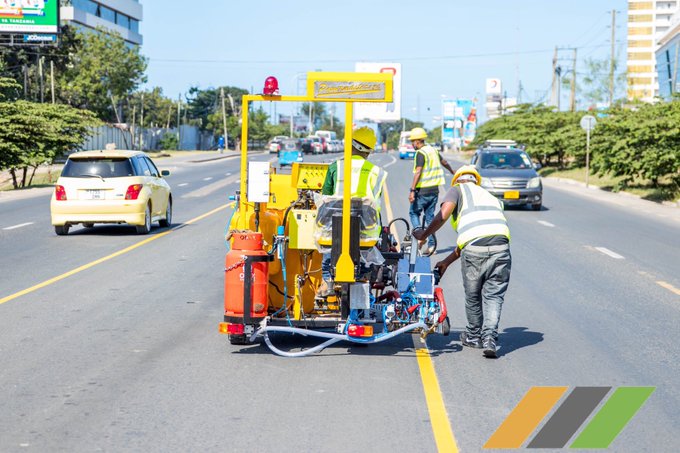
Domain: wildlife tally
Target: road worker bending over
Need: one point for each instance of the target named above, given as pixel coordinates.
(366, 184)
(483, 245)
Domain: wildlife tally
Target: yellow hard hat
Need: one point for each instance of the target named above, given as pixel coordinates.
(418, 133)
(467, 170)
(365, 138)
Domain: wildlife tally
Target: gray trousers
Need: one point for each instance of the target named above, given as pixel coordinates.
(486, 274)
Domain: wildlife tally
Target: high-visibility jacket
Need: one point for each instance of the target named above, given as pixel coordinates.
(367, 179)
(433, 173)
(481, 215)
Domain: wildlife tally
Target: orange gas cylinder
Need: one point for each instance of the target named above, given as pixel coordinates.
(246, 245)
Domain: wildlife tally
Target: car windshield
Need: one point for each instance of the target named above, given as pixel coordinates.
(103, 167)
(505, 161)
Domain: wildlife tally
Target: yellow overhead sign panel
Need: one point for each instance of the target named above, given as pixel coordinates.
(349, 86)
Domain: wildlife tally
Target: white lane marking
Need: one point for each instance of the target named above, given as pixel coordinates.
(544, 223)
(18, 226)
(609, 253)
(227, 174)
(183, 184)
(394, 160)
(208, 178)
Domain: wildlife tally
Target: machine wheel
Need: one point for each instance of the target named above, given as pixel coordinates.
(167, 221)
(62, 230)
(537, 207)
(446, 327)
(144, 229)
(238, 339)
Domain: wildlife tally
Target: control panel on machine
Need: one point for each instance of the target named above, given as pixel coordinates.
(309, 175)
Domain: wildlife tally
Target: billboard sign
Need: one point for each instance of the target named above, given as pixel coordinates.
(381, 112)
(349, 86)
(459, 121)
(29, 16)
(493, 87)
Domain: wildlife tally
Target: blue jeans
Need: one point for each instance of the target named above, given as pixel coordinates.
(326, 267)
(424, 204)
(486, 276)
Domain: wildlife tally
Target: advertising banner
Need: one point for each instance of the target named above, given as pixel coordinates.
(381, 112)
(459, 122)
(29, 16)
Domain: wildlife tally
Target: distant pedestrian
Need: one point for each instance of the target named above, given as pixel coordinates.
(220, 143)
(428, 175)
(483, 245)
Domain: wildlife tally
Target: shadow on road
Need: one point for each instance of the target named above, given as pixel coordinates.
(514, 338)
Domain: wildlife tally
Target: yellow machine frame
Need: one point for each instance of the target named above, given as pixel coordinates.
(346, 87)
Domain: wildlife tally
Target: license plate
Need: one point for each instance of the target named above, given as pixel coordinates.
(511, 195)
(95, 194)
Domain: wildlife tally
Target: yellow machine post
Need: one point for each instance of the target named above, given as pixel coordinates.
(243, 218)
(344, 270)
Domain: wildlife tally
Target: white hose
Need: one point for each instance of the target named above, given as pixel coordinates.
(332, 338)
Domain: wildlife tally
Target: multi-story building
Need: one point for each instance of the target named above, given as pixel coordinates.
(648, 21)
(122, 16)
(668, 59)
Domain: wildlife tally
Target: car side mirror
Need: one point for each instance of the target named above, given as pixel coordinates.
(537, 166)
(165, 172)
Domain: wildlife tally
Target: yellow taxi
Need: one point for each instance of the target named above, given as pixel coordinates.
(111, 187)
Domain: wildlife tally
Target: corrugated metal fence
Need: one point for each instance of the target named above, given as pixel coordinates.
(191, 138)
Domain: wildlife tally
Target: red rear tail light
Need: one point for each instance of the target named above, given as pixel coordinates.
(133, 191)
(60, 193)
(357, 330)
(236, 329)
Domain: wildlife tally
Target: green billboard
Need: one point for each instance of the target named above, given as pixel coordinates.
(29, 16)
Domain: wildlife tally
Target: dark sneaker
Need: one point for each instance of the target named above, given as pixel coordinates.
(489, 345)
(470, 342)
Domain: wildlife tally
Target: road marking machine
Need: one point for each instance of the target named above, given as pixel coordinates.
(282, 226)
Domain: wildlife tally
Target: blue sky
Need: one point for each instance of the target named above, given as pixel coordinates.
(446, 48)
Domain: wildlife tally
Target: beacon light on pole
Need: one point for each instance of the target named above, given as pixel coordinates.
(271, 86)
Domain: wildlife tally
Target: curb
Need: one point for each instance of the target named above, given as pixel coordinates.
(673, 204)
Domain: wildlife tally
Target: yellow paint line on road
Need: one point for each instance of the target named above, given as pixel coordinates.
(441, 427)
(104, 259)
(668, 286)
(439, 418)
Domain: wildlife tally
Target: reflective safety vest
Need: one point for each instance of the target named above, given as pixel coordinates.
(481, 215)
(367, 179)
(433, 173)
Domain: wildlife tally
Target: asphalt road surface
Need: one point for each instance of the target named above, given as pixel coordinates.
(108, 340)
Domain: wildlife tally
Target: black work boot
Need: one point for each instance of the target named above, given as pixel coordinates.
(470, 342)
(489, 345)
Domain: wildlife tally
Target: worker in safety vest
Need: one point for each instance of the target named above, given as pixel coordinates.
(483, 245)
(367, 181)
(428, 175)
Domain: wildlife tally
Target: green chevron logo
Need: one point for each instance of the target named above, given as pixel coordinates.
(569, 416)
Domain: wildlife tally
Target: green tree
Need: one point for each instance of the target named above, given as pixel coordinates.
(9, 89)
(32, 134)
(204, 107)
(639, 144)
(102, 72)
(592, 85)
(159, 111)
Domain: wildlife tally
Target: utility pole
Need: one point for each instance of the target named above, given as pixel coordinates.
(52, 79)
(572, 99)
(611, 62)
(179, 114)
(553, 93)
(40, 74)
(141, 125)
(224, 120)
